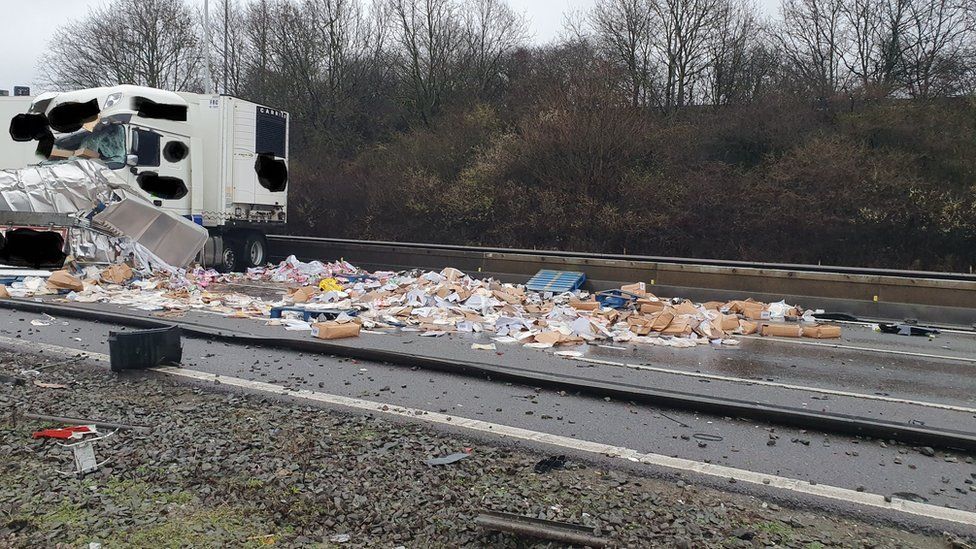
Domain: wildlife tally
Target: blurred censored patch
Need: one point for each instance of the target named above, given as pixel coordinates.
(71, 116)
(147, 108)
(272, 172)
(161, 186)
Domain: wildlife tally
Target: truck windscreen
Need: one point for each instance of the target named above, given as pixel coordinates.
(108, 141)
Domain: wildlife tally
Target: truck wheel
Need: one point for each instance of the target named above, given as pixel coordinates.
(255, 250)
(229, 259)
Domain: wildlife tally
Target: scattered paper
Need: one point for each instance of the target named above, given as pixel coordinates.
(483, 347)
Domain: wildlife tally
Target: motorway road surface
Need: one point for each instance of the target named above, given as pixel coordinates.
(945, 479)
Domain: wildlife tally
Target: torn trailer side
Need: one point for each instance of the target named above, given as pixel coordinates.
(219, 161)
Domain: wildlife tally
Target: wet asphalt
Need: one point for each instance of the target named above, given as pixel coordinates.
(882, 467)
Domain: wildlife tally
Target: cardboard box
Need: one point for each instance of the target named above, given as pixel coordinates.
(87, 153)
(755, 312)
(662, 321)
(728, 323)
(640, 325)
(686, 308)
(60, 154)
(782, 330)
(117, 274)
(506, 297)
(302, 295)
(638, 288)
(611, 316)
(557, 338)
(822, 331)
(548, 337)
(747, 327)
(648, 306)
(452, 274)
(4, 294)
(335, 330)
(677, 327)
(584, 305)
(61, 280)
(709, 330)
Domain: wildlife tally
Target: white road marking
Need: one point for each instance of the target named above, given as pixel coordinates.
(617, 452)
(798, 341)
(747, 381)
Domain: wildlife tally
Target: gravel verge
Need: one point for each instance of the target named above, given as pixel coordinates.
(220, 469)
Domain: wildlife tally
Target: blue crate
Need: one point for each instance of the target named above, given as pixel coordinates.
(617, 299)
(556, 281)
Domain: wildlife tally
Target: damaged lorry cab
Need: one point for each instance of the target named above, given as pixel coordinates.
(218, 161)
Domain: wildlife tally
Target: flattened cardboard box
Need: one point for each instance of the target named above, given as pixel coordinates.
(639, 325)
(61, 280)
(648, 306)
(117, 274)
(335, 330)
(584, 305)
(678, 327)
(662, 321)
(302, 295)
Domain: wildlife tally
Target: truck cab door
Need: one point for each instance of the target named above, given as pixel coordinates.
(162, 167)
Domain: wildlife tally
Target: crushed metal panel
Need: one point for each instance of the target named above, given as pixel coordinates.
(65, 187)
(173, 239)
(79, 188)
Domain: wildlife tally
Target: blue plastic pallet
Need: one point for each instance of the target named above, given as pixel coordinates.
(556, 281)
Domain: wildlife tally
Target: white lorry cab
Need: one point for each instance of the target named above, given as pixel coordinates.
(217, 160)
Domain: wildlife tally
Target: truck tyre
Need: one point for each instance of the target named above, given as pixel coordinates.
(255, 251)
(230, 259)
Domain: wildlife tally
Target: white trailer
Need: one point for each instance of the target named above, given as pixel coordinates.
(217, 160)
(15, 154)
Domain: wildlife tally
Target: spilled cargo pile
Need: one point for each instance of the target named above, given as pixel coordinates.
(334, 300)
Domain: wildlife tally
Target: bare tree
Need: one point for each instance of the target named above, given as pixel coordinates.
(430, 36)
(229, 47)
(877, 30)
(940, 46)
(734, 41)
(685, 28)
(156, 44)
(313, 55)
(624, 30)
(258, 21)
(494, 30)
(814, 39)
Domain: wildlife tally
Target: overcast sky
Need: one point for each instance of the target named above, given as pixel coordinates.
(28, 28)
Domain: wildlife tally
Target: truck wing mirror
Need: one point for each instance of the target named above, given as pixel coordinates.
(131, 160)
